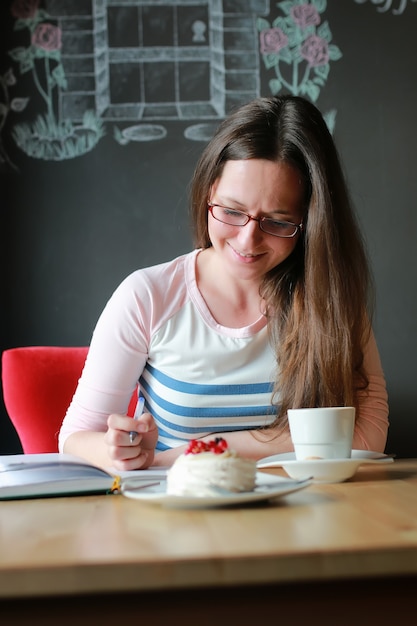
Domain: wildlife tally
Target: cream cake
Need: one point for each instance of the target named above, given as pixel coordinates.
(207, 466)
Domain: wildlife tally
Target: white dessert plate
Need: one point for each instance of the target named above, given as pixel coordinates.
(323, 470)
(268, 487)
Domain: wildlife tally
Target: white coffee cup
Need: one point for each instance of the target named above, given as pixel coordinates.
(322, 433)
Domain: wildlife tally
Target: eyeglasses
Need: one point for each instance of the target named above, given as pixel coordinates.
(232, 217)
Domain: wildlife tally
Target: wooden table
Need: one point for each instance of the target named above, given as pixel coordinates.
(325, 555)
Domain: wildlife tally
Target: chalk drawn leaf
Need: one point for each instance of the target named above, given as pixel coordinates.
(286, 6)
(33, 18)
(297, 36)
(317, 80)
(311, 90)
(262, 24)
(307, 31)
(18, 54)
(10, 78)
(20, 24)
(119, 137)
(330, 119)
(320, 5)
(287, 26)
(334, 53)
(41, 15)
(275, 86)
(19, 104)
(324, 31)
(24, 57)
(285, 23)
(270, 60)
(59, 76)
(286, 56)
(41, 53)
(322, 71)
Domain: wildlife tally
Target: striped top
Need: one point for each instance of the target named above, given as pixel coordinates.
(197, 377)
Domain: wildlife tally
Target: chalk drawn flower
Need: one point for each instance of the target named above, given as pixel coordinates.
(48, 136)
(273, 40)
(297, 46)
(305, 15)
(24, 9)
(47, 37)
(315, 51)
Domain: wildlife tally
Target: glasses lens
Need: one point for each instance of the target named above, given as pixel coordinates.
(229, 216)
(277, 228)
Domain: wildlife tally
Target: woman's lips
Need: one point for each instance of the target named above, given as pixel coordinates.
(247, 257)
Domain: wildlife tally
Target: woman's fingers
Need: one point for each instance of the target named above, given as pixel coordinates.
(131, 452)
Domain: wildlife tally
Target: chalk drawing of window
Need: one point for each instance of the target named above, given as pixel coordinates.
(138, 60)
(165, 64)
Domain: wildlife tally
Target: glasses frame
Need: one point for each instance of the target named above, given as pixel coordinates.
(260, 220)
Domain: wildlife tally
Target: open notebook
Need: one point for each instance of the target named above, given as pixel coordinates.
(54, 475)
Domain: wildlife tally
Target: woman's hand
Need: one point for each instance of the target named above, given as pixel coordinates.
(127, 455)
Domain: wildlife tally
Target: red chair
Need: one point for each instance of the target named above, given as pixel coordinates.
(38, 385)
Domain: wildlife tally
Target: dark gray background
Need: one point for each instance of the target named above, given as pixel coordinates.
(71, 230)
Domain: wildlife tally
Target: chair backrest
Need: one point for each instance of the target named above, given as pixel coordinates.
(38, 385)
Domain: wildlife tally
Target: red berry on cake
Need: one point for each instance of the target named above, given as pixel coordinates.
(217, 446)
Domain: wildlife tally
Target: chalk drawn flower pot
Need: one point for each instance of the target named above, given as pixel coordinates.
(57, 141)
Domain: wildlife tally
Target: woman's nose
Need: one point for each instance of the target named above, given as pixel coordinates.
(251, 231)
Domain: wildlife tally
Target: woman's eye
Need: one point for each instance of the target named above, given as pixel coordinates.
(231, 212)
(278, 224)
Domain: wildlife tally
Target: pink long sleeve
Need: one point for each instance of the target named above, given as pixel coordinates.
(371, 427)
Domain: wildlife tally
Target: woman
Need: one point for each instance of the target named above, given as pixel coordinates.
(270, 311)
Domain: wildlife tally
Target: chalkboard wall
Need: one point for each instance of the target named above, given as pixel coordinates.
(105, 107)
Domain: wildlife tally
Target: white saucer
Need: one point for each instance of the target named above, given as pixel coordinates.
(323, 470)
(268, 487)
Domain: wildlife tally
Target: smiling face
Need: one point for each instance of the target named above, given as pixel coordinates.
(259, 188)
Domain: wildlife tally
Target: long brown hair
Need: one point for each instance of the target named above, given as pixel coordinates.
(318, 300)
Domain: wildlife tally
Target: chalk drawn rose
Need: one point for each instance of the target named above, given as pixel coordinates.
(305, 15)
(48, 137)
(47, 37)
(315, 51)
(272, 40)
(298, 48)
(24, 9)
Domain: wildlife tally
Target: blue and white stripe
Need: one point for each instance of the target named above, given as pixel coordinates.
(240, 370)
